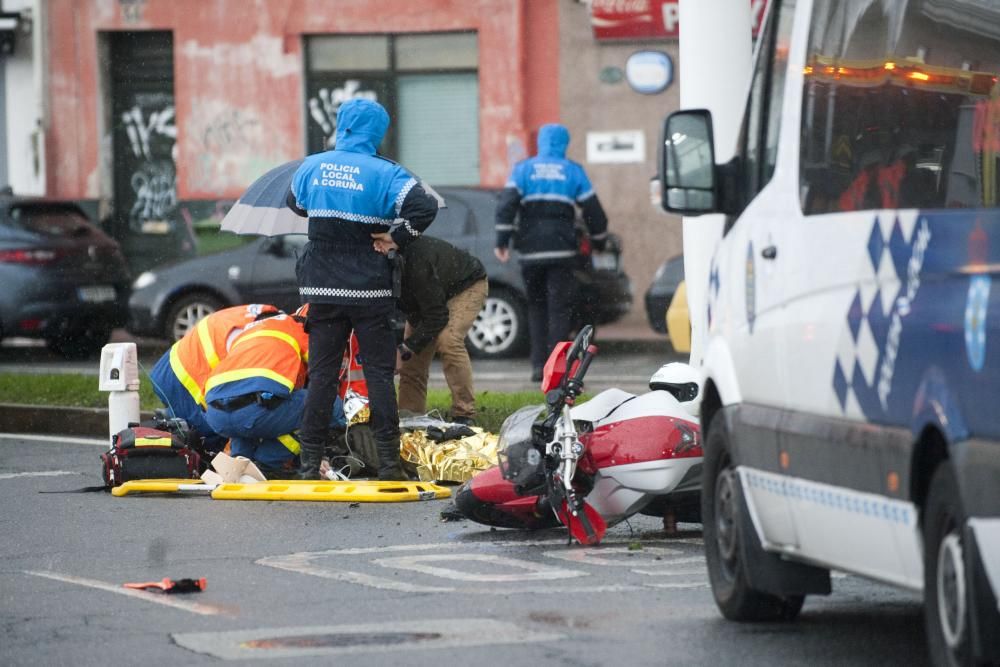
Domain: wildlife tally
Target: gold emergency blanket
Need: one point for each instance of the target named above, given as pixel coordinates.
(451, 460)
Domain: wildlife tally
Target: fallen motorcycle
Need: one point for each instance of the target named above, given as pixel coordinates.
(592, 465)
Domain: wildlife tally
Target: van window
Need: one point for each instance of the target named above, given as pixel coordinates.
(762, 123)
(900, 107)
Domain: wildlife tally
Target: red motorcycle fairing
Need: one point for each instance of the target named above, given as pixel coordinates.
(490, 499)
(633, 441)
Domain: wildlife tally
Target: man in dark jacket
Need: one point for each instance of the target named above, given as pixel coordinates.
(543, 192)
(443, 290)
(352, 196)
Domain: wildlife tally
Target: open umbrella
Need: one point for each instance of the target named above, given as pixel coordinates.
(262, 208)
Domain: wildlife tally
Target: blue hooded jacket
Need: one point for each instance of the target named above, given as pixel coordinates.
(349, 193)
(541, 195)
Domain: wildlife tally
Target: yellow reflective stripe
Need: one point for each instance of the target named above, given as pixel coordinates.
(246, 374)
(185, 378)
(290, 443)
(280, 335)
(206, 343)
(162, 441)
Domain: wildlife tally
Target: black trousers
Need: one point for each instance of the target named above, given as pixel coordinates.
(551, 292)
(329, 327)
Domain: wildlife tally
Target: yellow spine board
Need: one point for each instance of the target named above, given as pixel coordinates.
(349, 491)
(159, 486)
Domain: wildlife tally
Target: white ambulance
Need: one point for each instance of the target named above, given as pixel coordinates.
(851, 402)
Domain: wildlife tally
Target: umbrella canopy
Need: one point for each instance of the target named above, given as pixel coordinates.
(262, 208)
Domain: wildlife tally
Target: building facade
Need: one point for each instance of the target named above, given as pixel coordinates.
(158, 113)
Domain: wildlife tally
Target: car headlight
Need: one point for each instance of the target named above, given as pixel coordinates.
(145, 279)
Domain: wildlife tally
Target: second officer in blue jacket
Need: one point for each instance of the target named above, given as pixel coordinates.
(542, 194)
(351, 196)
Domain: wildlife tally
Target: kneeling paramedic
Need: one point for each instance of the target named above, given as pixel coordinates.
(256, 394)
(351, 196)
(179, 376)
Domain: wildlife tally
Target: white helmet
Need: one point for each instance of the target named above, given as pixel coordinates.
(682, 381)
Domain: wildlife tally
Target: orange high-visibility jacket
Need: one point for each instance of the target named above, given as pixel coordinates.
(268, 355)
(195, 356)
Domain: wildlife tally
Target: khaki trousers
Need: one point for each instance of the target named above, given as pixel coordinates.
(450, 347)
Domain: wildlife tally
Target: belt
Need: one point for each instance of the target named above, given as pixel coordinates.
(263, 398)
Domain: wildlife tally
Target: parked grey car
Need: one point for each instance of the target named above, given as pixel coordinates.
(65, 280)
(168, 301)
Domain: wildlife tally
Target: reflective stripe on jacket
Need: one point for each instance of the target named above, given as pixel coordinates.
(195, 356)
(268, 356)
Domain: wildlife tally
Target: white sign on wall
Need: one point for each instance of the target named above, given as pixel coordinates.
(616, 147)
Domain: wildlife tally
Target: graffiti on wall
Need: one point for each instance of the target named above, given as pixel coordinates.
(131, 10)
(231, 147)
(151, 136)
(324, 104)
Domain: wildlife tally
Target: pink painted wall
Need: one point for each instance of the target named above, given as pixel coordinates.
(238, 79)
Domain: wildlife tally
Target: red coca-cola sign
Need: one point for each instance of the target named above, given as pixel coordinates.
(646, 19)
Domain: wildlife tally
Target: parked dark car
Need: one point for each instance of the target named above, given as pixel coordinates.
(65, 280)
(661, 292)
(168, 301)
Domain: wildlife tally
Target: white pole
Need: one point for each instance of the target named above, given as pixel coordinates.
(120, 377)
(715, 62)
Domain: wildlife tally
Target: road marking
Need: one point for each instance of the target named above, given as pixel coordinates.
(39, 473)
(56, 439)
(156, 598)
(367, 565)
(274, 643)
(534, 571)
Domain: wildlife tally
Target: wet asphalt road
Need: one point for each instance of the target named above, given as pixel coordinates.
(382, 583)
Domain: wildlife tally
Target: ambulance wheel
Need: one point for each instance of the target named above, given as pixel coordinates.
(727, 529)
(187, 311)
(946, 589)
(501, 327)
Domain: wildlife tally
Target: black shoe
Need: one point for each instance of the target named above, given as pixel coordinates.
(536, 375)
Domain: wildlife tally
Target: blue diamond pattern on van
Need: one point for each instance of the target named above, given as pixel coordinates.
(861, 351)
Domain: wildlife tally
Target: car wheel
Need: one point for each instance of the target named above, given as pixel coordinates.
(946, 591)
(80, 344)
(501, 328)
(187, 312)
(725, 530)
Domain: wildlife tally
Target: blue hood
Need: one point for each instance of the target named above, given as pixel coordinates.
(361, 124)
(553, 140)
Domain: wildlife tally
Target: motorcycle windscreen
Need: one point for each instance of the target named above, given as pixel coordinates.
(587, 527)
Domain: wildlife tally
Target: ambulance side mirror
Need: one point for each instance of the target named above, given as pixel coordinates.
(687, 163)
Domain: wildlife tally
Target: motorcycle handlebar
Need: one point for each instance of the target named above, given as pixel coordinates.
(576, 382)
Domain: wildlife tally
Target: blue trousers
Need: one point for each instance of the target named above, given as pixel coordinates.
(253, 430)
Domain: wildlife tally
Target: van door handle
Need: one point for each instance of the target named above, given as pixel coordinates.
(770, 252)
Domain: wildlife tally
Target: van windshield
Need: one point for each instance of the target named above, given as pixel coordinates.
(901, 107)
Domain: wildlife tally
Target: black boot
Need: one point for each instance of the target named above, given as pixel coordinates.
(390, 468)
(310, 458)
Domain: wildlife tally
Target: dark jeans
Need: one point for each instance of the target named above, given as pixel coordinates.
(329, 326)
(551, 292)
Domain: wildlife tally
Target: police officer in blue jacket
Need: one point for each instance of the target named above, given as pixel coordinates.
(544, 191)
(352, 196)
